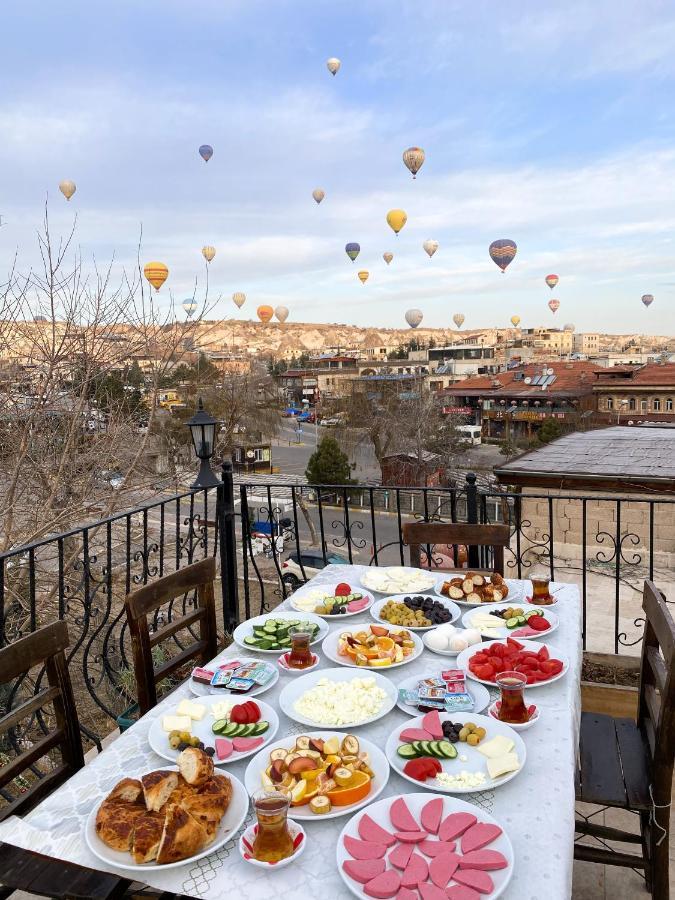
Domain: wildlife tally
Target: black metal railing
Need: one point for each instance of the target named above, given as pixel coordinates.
(275, 536)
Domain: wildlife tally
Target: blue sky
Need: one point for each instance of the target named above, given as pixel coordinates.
(552, 124)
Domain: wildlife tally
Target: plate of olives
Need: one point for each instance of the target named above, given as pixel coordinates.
(419, 612)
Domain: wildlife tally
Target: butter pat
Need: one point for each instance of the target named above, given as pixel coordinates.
(190, 708)
(502, 765)
(497, 746)
(176, 723)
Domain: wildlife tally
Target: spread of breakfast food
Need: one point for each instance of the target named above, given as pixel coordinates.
(342, 600)
(349, 702)
(398, 580)
(414, 611)
(475, 588)
(375, 646)
(499, 622)
(536, 662)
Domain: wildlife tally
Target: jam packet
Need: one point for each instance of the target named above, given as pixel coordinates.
(454, 681)
(202, 676)
(259, 672)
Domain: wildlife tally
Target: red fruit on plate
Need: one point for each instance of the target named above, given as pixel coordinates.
(513, 643)
(538, 623)
(343, 589)
(552, 667)
(253, 711)
(485, 673)
(238, 714)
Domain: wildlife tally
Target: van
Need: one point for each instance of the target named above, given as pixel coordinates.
(472, 434)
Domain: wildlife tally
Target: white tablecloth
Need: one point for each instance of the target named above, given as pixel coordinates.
(536, 808)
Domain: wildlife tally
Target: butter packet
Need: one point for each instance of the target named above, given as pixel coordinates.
(221, 679)
(240, 685)
(458, 703)
(411, 698)
(431, 693)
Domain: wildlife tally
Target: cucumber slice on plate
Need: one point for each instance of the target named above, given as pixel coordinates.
(407, 751)
(260, 728)
(446, 750)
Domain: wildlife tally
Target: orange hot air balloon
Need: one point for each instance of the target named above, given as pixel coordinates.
(363, 276)
(264, 313)
(156, 273)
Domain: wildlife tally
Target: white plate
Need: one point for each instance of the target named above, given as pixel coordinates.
(205, 690)
(398, 579)
(500, 634)
(328, 590)
(450, 653)
(377, 762)
(379, 812)
(475, 761)
(229, 826)
(246, 628)
(480, 694)
(450, 605)
(159, 739)
(492, 711)
(297, 832)
(534, 646)
(516, 592)
(330, 650)
(297, 687)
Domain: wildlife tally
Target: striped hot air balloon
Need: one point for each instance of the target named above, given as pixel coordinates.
(238, 299)
(208, 253)
(551, 280)
(189, 305)
(363, 276)
(156, 273)
(413, 159)
(502, 252)
(458, 319)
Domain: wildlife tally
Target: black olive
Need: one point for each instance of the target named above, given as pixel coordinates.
(210, 751)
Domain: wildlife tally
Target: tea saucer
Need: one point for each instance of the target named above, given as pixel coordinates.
(523, 726)
(282, 662)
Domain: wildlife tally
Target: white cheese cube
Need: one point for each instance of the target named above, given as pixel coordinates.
(176, 723)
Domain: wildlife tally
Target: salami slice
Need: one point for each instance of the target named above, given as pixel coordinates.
(432, 813)
(454, 824)
(363, 870)
(479, 881)
(401, 817)
(363, 849)
(371, 831)
(479, 836)
(385, 885)
(487, 860)
(400, 855)
(442, 869)
(416, 872)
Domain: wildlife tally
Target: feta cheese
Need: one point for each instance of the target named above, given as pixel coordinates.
(341, 702)
(222, 709)
(462, 780)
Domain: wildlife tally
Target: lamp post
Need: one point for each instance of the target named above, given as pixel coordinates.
(203, 430)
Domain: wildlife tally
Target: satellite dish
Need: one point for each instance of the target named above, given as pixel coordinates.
(550, 372)
(250, 454)
(527, 380)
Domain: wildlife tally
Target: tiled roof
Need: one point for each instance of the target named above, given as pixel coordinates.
(661, 375)
(571, 378)
(620, 452)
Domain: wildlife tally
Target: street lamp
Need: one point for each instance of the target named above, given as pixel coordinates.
(203, 430)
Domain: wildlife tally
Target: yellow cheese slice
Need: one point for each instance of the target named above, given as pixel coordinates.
(502, 765)
(497, 746)
(176, 723)
(191, 709)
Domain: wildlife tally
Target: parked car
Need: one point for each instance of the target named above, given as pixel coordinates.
(330, 422)
(312, 562)
(307, 417)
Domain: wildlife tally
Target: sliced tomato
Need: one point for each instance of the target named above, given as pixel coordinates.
(343, 589)
(480, 657)
(512, 642)
(538, 623)
(497, 650)
(543, 654)
(552, 667)
(485, 673)
(253, 711)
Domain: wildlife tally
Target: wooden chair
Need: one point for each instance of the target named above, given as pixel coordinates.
(148, 599)
(43, 647)
(497, 537)
(629, 765)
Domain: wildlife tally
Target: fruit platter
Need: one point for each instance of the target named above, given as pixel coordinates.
(329, 600)
(500, 621)
(234, 678)
(398, 580)
(325, 773)
(372, 647)
(226, 728)
(474, 589)
(436, 848)
(457, 753)
(339, 698)
(415, 611)
(270, 633)
(465, 696)
(540, 663)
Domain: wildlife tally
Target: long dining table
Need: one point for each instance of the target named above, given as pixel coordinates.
(536, 809)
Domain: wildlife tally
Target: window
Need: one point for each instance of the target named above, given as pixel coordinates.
(610, 403)
(632, 404)
(643, 406)
(669, 404)
(657, 404)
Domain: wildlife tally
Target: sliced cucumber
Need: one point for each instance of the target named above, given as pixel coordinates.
(230, 730)
(260, 728)
(425, 748)
(446, 750)
(407, 751)
(417, 747)
(512, 623)
(219, 725)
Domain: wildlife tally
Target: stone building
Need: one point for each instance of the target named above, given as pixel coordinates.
(636, 394)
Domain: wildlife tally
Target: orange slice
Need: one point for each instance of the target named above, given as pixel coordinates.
(356, 789)
(385, 643)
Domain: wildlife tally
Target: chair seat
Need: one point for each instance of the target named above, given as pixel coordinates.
(48, 877)
(613, 763)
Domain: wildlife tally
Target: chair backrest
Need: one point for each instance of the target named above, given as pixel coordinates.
(497, 537)
(656, 707)
(150, 598)
(43, 647)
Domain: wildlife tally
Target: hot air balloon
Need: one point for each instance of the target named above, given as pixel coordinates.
(318, 194)
(397, 219)
(352, 250)
(515, 321)
(333, 65)
(458, 319)
(264, 313)
(502, 252)
(363, 275)
(239, 299)
(208, 253)
(156, 273)
(189, 305)
(647, 299)
(206, 152)
(413, 317)
(413, 158)
(67, 188)
(431, 247)
(554, 305)
(387, 257)
(551, 280)
(281, 312)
